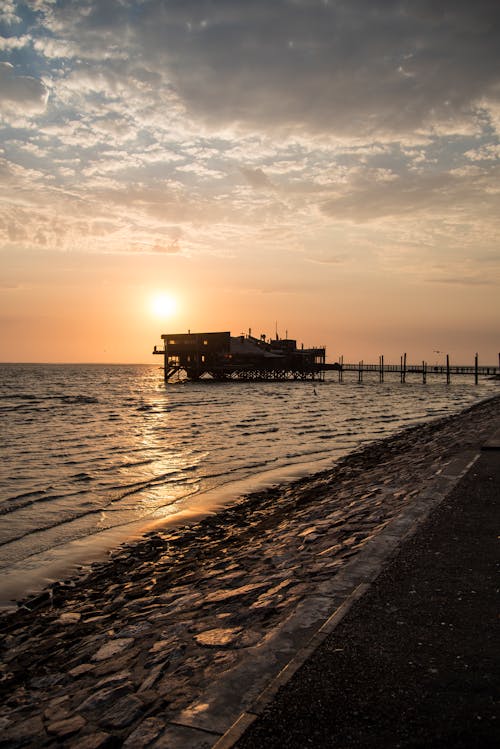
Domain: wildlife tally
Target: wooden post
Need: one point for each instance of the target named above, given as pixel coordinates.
(360, 372)
(424, 372)
(381, 370)
(476, 369)
(404, 368)
(341, 370)
(448, 369)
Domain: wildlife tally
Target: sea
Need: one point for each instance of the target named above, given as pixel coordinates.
(93, 456)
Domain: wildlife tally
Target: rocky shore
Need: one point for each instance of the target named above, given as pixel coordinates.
(165, 643)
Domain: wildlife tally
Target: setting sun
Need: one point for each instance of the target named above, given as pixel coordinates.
(163, 305)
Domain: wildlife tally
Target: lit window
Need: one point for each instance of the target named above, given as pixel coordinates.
(205, 343)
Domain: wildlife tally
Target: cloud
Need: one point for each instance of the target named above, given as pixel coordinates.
(347, 66)
(466, 195)
(8, 13)
(256, 178)
(282, 124)
(21, 94)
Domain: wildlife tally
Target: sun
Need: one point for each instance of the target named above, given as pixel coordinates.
(163, 305)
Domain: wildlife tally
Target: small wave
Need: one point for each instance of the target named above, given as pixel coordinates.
(79, 399)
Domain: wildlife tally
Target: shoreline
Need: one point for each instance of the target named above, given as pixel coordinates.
(42, 546)
(149, 637)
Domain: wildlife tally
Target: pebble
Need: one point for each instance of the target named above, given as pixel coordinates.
(112, 648)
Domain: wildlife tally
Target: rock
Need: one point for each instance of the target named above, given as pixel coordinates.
(122, 713)
(103, 697)
(135, 630)
(98, 740)
(45, 682)
(145, 733)
(218, 637)
(56, 713)
(162, 645)
(83, 668)
(224, 595)
(62, 728)
(118, 678)
(70, 618)
(153, 676)
(114, 647)
(26, 731)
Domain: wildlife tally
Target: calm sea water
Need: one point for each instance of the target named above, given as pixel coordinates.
(94, 454)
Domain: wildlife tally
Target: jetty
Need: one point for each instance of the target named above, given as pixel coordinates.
(221, 356)
(424, 369)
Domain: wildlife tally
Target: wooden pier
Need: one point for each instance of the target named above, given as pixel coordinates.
(423, 369)
(223, 357)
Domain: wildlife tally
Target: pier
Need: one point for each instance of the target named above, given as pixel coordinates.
(423, 369)
(223, 357)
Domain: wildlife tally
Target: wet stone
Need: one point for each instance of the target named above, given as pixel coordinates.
(69, 618)
(224, 595)
(62, 728)
(153, 676)
(103, 697)
(83, 668)
(99, 740)
(145, 733)
(122, 713)
(120, 677)
(218, 637)
(25, 731)
(112, 648)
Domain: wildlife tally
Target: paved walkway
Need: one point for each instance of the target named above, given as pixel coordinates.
(415, 661)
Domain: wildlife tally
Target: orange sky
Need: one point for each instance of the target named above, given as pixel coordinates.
(331, 167)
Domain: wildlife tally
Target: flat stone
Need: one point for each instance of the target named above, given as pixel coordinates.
(145, 733)
(19, 734)
(83, 668)
(122, 713)
(218, 637)
(135, 630)
(162, 645)
(62, 728)
(98, 740)
(153, 676)
(56, 713)
(103, 697)
(44, 682)
(114, 647)
(224, 595)
(119, 677)
(69, 618)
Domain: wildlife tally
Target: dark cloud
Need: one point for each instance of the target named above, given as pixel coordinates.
(21, 93)
(342, 66)
(256, 178)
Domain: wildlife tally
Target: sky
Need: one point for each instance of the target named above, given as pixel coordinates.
(325, 168)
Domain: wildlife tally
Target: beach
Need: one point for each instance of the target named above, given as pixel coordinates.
(168, 641)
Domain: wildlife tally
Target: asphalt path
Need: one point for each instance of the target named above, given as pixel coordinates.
(415, 661)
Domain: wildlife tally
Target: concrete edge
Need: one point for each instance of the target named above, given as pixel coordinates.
(386, 552)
